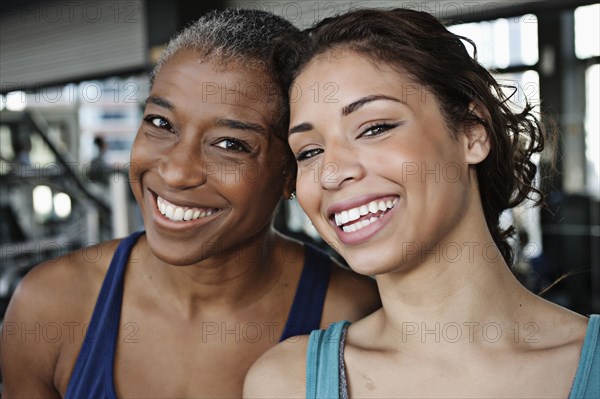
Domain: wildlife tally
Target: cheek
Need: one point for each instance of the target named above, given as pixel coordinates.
(136, 159)
(414, 164)
(258, 186)
(309, 195)
(140, 152)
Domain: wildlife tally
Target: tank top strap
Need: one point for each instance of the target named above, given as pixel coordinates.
(92, 375)
(307, 308)
(587, 377)
(323, 362)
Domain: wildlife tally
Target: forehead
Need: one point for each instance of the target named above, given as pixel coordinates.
(190, 78)
(340, 76)
(347, 70)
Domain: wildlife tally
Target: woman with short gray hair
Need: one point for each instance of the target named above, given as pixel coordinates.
(184, 308)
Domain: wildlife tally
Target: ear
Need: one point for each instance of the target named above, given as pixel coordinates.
(476, 139)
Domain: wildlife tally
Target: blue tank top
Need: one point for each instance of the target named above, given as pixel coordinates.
(93, 373)
(326, 376)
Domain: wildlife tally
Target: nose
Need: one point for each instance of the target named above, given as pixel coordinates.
(342, 165)
(182, 168)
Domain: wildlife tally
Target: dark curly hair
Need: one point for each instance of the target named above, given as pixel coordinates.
(416, 43)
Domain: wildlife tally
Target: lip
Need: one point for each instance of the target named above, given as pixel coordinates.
(364, 234)
(168, 224)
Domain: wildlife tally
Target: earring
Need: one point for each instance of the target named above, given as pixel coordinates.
(292, 196)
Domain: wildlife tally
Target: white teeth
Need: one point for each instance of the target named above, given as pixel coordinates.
(344, 217)
(350, 215)
(364, 210)
(373, 207)
(358, 225)
(178, 213)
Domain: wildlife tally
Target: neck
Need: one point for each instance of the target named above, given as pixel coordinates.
(469, 284)
(443, 290)
(227, 280)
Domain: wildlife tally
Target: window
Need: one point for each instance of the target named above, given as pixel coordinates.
(503, 42)
(587, 49)
(592, 129)
(587, 31)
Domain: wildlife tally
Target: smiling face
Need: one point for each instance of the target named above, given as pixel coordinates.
(205, 168)
(379, 173)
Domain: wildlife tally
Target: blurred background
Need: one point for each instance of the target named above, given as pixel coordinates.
(74, 77)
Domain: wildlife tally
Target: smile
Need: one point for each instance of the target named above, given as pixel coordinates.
(178, 213)
(355, 219)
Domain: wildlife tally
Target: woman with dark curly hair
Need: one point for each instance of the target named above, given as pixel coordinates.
(408, 152)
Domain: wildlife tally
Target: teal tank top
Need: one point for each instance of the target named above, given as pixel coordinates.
(587, 379)
(325, 371)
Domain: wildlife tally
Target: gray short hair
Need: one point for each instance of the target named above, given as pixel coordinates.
(238, 35)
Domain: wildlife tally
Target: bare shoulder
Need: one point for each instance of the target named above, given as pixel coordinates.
(558, 326)
(58, 286)
(350, 296)
(551, 342)
(280, 372)
(52, 295)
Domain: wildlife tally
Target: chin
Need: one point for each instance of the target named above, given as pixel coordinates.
(180, 260)
(371, 268)
(183, 259)
(176, 254)
(378, 261)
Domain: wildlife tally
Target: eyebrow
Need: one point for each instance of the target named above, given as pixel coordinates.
(161, 102)
(303, 127)
(230, 123)
(240, 125)
(346, 110)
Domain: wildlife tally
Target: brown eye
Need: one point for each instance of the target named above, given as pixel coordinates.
(232, 145)
(308, 154)
(159, 122)
(377, 129)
